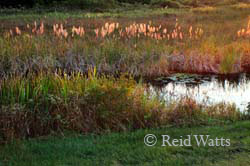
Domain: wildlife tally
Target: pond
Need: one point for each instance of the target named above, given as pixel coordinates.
(208, 89)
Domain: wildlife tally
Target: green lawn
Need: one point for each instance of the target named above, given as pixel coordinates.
(129, 148)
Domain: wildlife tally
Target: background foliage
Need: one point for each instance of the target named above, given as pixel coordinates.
(73, 3)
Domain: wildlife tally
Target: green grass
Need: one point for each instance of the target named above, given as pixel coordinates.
(123, 12)
(128, 148)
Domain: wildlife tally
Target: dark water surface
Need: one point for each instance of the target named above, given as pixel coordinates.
(208, 89)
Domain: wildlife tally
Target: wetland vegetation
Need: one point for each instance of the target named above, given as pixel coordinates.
(91, 71)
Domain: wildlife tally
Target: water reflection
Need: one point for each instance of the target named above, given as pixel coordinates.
(209, 89)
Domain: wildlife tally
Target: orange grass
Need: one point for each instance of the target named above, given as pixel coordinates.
(185, 48)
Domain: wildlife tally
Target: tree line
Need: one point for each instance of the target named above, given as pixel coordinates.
(76, 3)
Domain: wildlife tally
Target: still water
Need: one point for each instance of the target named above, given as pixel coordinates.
(208, 89)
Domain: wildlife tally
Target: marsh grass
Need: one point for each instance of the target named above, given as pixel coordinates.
(61, 74)
(39, 105)
(207, 9)
(45, 103)
(241, 6)
(231, 56)
(130, 47)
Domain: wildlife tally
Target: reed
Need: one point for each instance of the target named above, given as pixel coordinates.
(94, 103)
(119, 47)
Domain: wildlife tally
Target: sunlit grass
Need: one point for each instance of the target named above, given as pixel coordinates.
(115, 46)
(206, 9)
(241, 6)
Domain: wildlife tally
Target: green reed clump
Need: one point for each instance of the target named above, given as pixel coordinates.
(37, 105)
(229, 61)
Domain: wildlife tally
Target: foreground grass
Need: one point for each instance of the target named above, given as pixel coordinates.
(39, 105)
(128, 148)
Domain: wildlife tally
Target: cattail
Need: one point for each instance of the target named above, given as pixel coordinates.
(239, 33)
(73, 31)
(106, 25)
(65, 33)
(54, 28)
(18, 31)
(35, 27)
(82, 31)
(11, 32)
(120, 33)
(96, 32)
(200, 32)
(190, 31)
(117, 25)
(243, 31)
(103, 32)
(61, 28)
(110, 30)
(165, 30)
(153, 29)
(173, 34)
(159, 36)
(41, 29)
(181, 36)
(176, 24)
